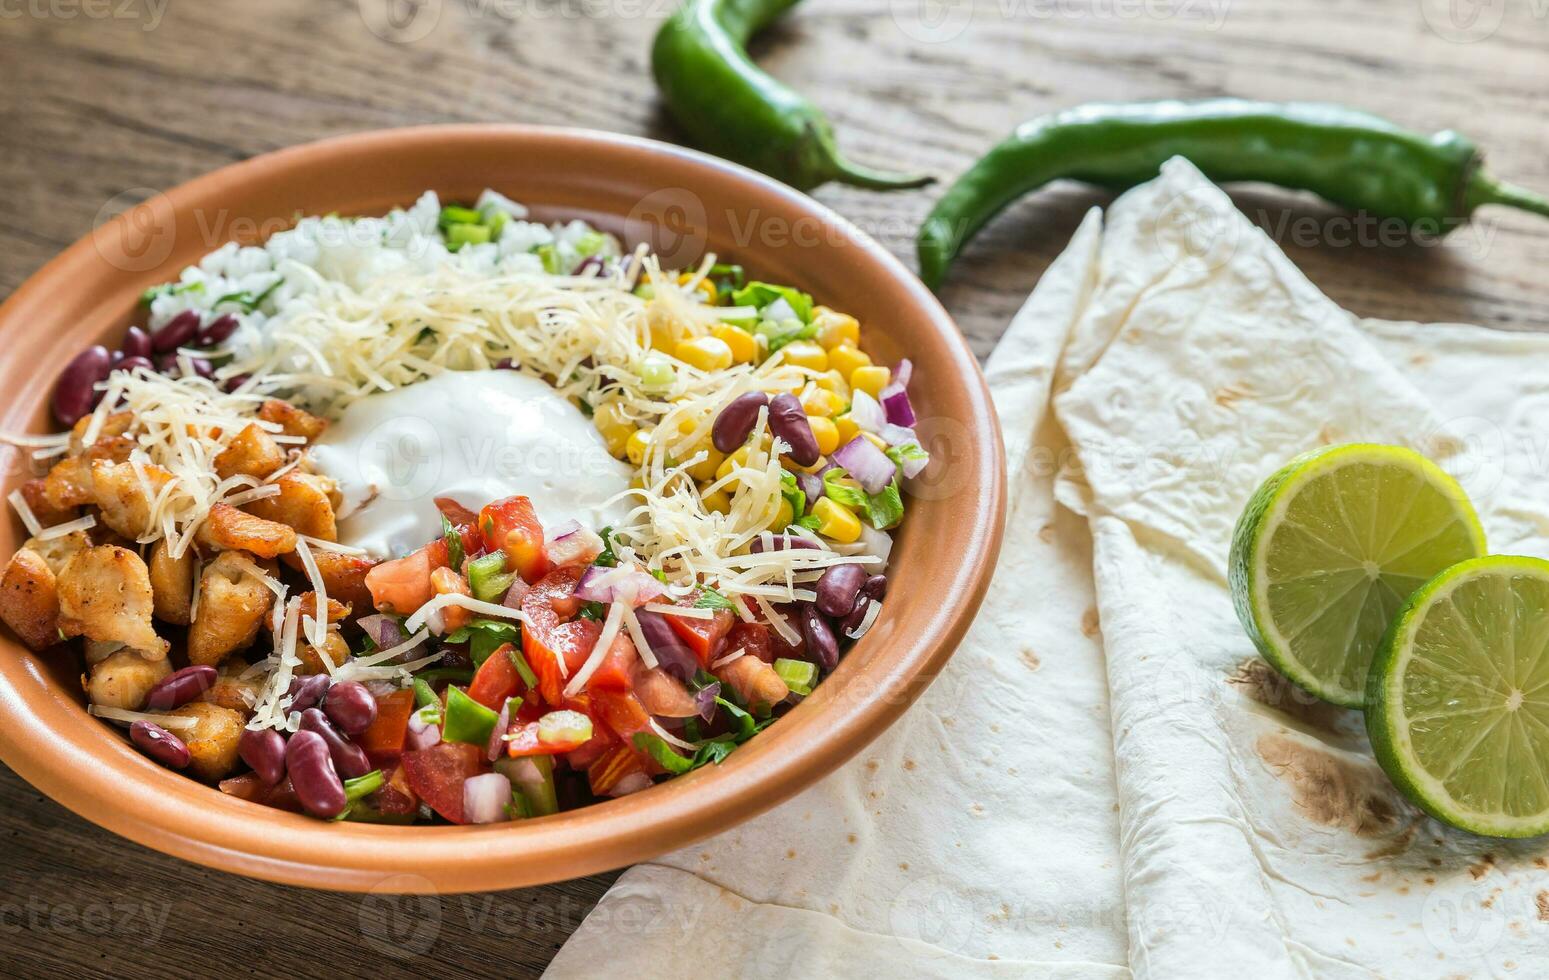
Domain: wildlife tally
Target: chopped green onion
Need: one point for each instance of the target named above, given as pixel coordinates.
(454, 544)
(523, 669)
(452, 215)
(590, 244)
(466, 719)
(459, 235)
(656, 372)
(424, 694)
(363, 786)
(798, 675)
(549, 256)
(488, 579)
(711, 599)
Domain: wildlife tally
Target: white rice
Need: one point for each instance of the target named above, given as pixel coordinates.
(292, 264)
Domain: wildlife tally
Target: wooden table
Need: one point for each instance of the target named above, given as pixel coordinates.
(105, 101)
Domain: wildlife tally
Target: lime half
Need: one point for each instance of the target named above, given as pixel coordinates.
(1458, 703)
(1331, 546)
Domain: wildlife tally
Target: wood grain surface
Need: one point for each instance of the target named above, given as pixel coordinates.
(103, 102)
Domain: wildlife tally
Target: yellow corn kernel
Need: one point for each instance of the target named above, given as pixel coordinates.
(845, 360)
(846, 427)
(832, 380)
(738, 458)
(871, 380)
(705, 285)
(705, 469)
(744, 349)
(825, 432)
(804, 353)
(705, 353)
(614, 428)
(820, 402)
(718, 501)
(875, 440)
(785, 516)
(839, 523)
(639, 442)
(836, 329)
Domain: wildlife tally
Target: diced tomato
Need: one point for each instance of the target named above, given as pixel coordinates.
(511, 525)
(545, 638)
(601, 741)
(456, 512)
(756, 683)
(611, 767)
(616, 672)
(753, 638)
(790, 651)
(496, 680)
(395, 796)
(626, 717)
(445, 582)
(383, 740)
(524, 741)
(662, 694)
(403, 585)
(436, 775)
(703, 636)
(251, 787)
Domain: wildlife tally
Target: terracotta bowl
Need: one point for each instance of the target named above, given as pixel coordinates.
(683, 202)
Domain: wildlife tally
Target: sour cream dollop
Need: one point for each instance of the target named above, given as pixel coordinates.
(474, 436)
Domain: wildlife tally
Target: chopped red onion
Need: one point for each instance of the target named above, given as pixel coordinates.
(866, 412)
(811, 485)
(571, 544)
(514, 595)
(672, 654)
(705, 699)
(497, 737)
(903, 373)
(866, 463)
(898, 435)
(385, 631)
(632, 783)
(562, 530)
(878, 544)
(620, 584)
(485, 798)
(422, 734)
(895, 402)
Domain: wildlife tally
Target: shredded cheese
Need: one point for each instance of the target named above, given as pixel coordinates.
(685, 612)
(19, 502)
(740, 651)
(777, 621)
(68, 527)
(670, 738)
(172, 723)
(440, 602)
(642, 646)
(317, 623)
(873, 610)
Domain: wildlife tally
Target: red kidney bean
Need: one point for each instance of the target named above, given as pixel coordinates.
(789, 422)
(264, 751)
(588, 263)
(115, 358)
(312, 775)
(505, 364)
(160, 744)
(736, 420)
(218, 330)
(838, 588)
(136, 361)
(176, 332)
(819, 636)
(349, 758)
(201, 365)
(872, 591)
(235, 382)
(137, 343)
(74, 392)
(780, 542)
(180, 687)
(351, 707)
(307, 691)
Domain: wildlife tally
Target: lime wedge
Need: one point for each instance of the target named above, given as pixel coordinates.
(1331, 546)
(1458, 702)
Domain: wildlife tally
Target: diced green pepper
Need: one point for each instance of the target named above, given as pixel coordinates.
(549, 256)
(424, 694)
(532, 778)
(466, 719)
(363, 786)
(454, 215)
(488, 579)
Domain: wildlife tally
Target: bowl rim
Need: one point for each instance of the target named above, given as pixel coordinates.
(271, 845)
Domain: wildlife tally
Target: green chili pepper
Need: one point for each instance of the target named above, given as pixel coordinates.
(1353, 159)
(729, 106)
(488, 579)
